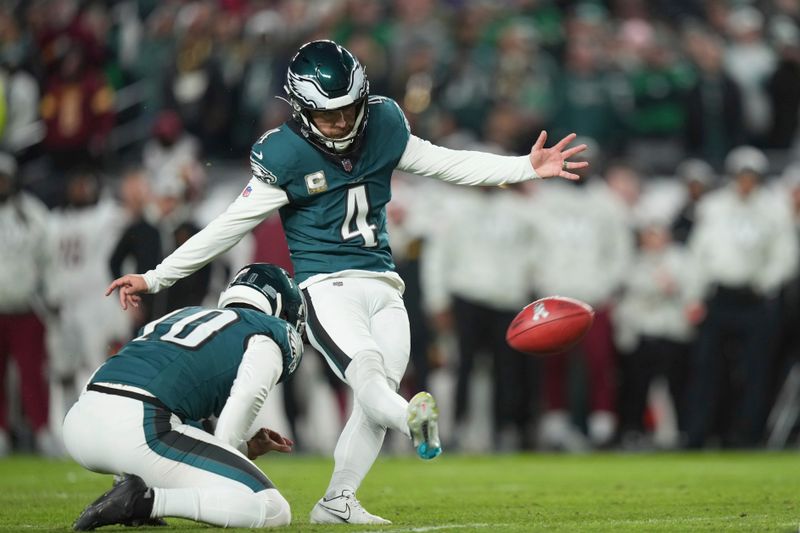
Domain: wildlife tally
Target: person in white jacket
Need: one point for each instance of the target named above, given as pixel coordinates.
(585, 249)
(745, 248)
(80, 334)
(652, 327)
(470, 297)
(23, 297)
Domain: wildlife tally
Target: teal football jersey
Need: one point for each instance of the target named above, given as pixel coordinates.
(336, 216)
(188, 359)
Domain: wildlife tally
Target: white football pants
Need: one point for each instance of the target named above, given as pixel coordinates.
(194, 475)
(360, 325)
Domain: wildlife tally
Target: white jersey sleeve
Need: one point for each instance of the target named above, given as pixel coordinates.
(259, 371)
(464, 167)
(256, 202)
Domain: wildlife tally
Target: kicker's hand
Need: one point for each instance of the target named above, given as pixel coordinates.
(130, 286)
(265, 440)
(552, 162)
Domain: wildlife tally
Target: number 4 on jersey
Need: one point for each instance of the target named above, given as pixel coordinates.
(358, 207)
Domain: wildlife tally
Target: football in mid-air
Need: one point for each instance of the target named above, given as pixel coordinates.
(550, 325)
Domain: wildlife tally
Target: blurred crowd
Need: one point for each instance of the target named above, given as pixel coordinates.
(125, 127)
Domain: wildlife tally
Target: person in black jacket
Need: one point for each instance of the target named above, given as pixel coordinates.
(713, 105)
(784, 93)
(698, 177)
(140, 241)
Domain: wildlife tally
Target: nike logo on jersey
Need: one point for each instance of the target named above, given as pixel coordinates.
(259, 155)
(343, 513)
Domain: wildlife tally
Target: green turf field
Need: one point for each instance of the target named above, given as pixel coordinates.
(702, 492)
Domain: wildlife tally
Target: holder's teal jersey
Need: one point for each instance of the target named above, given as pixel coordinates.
(336, 216)
(189, 358)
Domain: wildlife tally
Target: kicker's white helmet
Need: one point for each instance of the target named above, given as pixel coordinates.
(326, 76)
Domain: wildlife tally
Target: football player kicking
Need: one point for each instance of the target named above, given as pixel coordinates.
(131, 420)
(328, 172)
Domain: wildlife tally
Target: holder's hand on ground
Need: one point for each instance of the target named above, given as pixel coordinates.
(130, 286)
(552, 162)
(265, 440)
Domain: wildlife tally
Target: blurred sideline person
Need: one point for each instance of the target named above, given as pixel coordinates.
(171, 156)
(328, 172)
(750, 62)
(80, 335)
(652, 328)
(19, 108)
(467, 293)
(713, 104)
(584, 229)
(132, 419)
(23, 239)
(789, 343)
(698, 178)
(744, 249)
(140, 241)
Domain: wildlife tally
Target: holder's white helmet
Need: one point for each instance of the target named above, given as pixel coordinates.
(269, 289)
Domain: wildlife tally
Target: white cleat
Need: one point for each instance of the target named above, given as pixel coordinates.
(343, 508)
(423, 424)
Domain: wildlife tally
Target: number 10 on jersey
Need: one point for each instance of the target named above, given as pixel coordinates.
(358, 207)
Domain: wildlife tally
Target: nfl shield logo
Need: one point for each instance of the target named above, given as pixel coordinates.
(348, 166)
(247, 190)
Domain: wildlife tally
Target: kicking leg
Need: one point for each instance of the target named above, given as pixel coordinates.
(390, 329)
(366, 375)
(361, 327)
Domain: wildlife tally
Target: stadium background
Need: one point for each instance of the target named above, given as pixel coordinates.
(131, 123)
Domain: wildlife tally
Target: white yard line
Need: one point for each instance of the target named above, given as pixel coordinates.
(619, 522)
(17, 527)
(432, 528)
